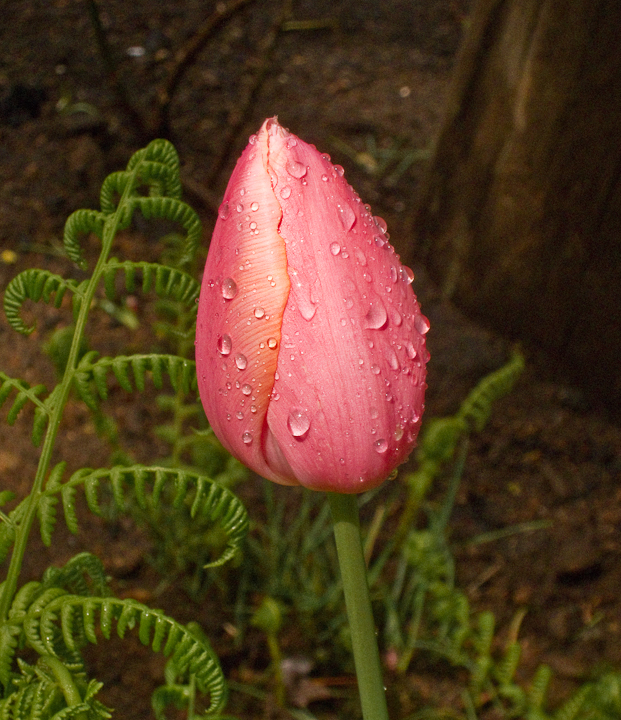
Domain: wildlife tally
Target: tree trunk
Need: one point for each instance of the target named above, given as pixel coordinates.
(520, 218)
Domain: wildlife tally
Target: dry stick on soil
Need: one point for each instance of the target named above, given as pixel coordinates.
(239, 115)
(186, 56)
(107, 55)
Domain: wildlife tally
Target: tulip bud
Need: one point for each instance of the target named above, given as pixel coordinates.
(310, 345)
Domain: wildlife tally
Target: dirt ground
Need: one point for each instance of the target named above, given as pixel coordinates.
(365, 81)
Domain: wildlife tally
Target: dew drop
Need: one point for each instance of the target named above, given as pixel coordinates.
(259, 312)
(229, 288)
(254, 207)
(239, 415)
(380, 446)
(241, 361)
(285, 192)
(360, 256)
(339, 170)
(291, 143)
(398, 433)
(380, 223)
(246, 389)
(421, 324)
(295, 169)
(239, 207)
(335, 248)
(224, 345)
(271, 343)
(298, 422)
(376, 317)
(407, 274)
(394, 275)
(307, 308)
(392, 359)
(347, 216)
(247, 438)
(395, 316)
(325, 157)
(375, 369)
(325, 178)
(252, 139)
(379, 241)
(224, 210)
(349, 302)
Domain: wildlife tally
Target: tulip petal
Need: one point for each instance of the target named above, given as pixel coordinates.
(348, 394)
(243, 295)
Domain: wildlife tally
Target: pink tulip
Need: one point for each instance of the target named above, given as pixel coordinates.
(310, 343)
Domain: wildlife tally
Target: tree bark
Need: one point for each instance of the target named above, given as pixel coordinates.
(520, 216)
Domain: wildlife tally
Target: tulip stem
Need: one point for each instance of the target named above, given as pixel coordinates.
(358, 603)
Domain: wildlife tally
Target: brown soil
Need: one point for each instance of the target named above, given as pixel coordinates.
(359, 75)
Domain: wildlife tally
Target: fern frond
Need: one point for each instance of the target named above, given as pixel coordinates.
(46, 508)
(570, 708)
(34, 284)
(538, 689)
(24, 394)
(182, 373)
(81, 222)
(477, 407)
(55, 618)
(166, 281)
(9, 638)
(172, 209)
(158, 162)
(8, 528)
(71, 576)
(208, 499)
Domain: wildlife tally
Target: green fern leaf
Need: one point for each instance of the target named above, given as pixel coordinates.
(9, 637)
(34, 284)
(477, 407)
(67, 495)
(81, 222)
(177, 211)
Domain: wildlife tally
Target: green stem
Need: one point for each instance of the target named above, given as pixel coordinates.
(65, 681)
(358, 603)
(23, 531)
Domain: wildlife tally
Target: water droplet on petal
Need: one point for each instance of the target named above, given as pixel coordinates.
(421, 324)
(229, 288)
(380, 223)
(347, 216)
(395, 316)
(298, 422)
(394, 275)
(376, 317)
(410, 350)
(307, 308)
(375, 369)
(325, 178)
(224, 345)
(239, 207)
(224, 210)
(241, 361)
(407, 274)
(252, 139)
(285, 192)
(295, 169)
(246, 389)
(247, 438)
(379, 241)
(271, 343)
(392, 359)
(259, 312)
(254, 207)
(360, 256)
(335, 248)
(349, 302)
(339, 170)
(380, 446)
(398, 433)
(291, 142)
